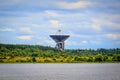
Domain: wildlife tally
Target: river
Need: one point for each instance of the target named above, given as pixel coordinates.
(82, 71)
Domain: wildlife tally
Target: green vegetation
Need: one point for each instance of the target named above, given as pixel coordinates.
(10, 53)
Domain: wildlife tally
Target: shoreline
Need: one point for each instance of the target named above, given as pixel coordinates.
(67, 63)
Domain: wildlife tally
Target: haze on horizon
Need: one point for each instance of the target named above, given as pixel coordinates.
(90, 23)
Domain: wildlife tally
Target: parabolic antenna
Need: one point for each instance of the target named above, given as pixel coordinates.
(60, 40)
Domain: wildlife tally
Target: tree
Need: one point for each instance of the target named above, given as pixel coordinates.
(77, 58)
(99, 58)
(116, 57)
(91, 59)
(34, 59)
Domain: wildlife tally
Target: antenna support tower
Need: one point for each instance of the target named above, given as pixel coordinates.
(60, 40)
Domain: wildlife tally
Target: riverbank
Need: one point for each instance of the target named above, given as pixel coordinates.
(10, 53)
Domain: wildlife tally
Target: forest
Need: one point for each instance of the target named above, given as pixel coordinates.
(21, 53)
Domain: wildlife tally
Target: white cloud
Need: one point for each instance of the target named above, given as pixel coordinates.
(96, 27)
(79, 35)
(25, 37)
(34, 25)
(52, 13)
(113, 25)
(27, 26)
(84, 42)
(45, 41)
(74, 5)
(109, 24)
(55, 23)
(112, 36)
(6, 29)
(71, 43)
(94, 42)
(89, 26)
(112, 16)
(26, 30)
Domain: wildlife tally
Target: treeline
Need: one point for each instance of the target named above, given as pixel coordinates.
(40, 54)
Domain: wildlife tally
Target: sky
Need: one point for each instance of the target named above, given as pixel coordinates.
(90, 23)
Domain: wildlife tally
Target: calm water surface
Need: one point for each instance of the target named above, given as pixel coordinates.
(104, 71)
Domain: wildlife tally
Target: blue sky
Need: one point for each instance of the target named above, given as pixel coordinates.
(90, 23)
